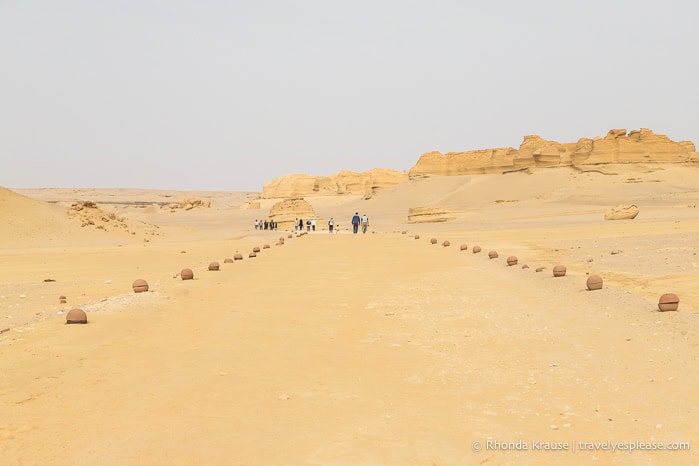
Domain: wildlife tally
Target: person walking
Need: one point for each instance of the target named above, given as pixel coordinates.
(365, 223)
(257, 224)
(355, 223)
(313, 224)
(331, 225)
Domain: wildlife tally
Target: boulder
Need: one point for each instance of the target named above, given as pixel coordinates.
(139, 286)
(76, 316)
(621, 212)
(668, 302)
(594, 282)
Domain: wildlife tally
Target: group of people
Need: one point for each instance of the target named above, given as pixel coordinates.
(310, 224)
(357, 221)
(265, 224)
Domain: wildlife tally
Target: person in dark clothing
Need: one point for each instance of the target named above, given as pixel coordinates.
(355, 223)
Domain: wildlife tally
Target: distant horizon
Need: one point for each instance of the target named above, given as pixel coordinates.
(336, 172)
(226, 96)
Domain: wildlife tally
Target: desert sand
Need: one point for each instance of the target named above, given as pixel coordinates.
(368, 349)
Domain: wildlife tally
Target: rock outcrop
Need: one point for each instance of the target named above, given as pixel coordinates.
(344, 182)
(287, 211)
(618, 146)
(429, 215)
(637, 146)
(465, 163)
(191, 203)
(622, 212)
(92, 216)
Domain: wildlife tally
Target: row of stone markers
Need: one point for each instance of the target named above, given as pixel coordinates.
(78, 316)
(667, 301)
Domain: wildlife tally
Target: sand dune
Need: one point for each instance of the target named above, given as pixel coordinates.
(368, 349)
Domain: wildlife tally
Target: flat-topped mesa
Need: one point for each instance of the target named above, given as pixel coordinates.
(344, 182)
(639, 146)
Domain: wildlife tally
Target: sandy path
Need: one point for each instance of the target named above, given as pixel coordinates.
(375, 349)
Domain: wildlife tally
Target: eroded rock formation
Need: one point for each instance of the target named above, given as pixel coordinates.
(344, 182)
(622, 212)
(429, 215)
(618, 146)
(190, 203)
(287, 211)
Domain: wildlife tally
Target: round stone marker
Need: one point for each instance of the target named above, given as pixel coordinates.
(187, 274)
(255, 249)
(214, 266)
(668, 302)
(540, 269)
(238, 256)
(266, 246)
(446, 244)
(417, 237)
(493, 255)
(227, 260)
(76, 316)
(594, 282)
(559, 270)
(433, 240)
(463, 247)
(252, 254)
(511, 260)
(476, 249)
(140, 286)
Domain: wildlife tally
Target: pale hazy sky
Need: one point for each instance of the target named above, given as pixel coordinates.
(227, 95)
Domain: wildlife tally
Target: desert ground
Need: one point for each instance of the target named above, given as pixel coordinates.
(368, 349)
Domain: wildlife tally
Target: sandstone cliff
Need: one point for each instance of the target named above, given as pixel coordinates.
(639, 146)
(344, 182)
